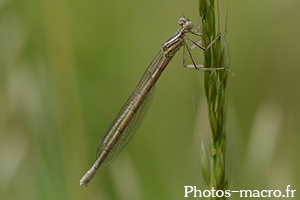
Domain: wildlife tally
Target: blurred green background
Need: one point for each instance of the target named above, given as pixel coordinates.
(67, 67)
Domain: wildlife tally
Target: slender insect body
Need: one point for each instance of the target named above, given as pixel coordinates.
(134, 110)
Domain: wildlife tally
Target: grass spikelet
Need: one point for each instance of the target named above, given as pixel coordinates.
(215, 84)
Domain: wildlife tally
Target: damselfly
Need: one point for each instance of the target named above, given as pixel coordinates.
(133, 112)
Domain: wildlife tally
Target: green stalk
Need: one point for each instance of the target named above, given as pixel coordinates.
(215, 81)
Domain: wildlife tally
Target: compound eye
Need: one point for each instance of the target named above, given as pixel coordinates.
(181, 21)
(188, 25)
